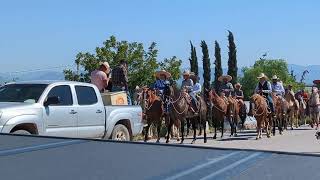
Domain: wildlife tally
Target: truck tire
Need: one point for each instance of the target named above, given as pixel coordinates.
(22, 132)
(120, 133)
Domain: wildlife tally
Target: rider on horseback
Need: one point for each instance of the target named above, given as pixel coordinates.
(226, 88)
(188, 84)
(264, 88)
(161, 82)
(277, 87)
(238, 93)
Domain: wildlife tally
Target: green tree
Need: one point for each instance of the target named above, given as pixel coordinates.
(218, 67)
(232, 61)
(193, 60)
(206, 65)
(141, 64)
(172, 65)
(270, 67)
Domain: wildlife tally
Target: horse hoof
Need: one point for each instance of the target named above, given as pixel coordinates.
(158, 141)
(178, 139)
(214, 137)
(167, 141)
(205, 141)
(193, 141)
(181, 142)
(257, 138)
(236, 135)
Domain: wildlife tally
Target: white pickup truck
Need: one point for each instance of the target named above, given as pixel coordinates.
(65, 109)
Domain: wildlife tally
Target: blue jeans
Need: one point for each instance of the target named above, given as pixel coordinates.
(117, 89)
(194, 99)
(270, 101)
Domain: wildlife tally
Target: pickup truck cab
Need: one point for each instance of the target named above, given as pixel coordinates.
(66, 109)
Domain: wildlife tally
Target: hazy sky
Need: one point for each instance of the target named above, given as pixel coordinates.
(37, 34)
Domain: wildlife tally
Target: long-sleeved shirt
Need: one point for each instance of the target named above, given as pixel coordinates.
(265, 87)
(187, 84)
(196, 88)
(278, 88)
(160, 84)
(227, 88)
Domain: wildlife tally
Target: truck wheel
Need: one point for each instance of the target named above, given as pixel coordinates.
(23, 132)
(120, 133)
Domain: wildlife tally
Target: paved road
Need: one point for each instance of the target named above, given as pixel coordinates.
(41, 158)
(301, 140)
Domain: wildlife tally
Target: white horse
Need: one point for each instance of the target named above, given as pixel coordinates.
(314, 104)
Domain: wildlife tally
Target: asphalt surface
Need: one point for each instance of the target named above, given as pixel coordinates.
(27, 157)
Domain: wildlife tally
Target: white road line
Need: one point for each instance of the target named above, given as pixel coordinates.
(7, 152)
(233, 165)
(200, 166)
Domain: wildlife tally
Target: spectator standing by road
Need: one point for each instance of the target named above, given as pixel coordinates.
(120, 79)
(99, 77)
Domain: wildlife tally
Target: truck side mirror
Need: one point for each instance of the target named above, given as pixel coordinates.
(52, 100)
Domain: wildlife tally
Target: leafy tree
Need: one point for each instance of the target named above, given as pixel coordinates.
(218, 67)
(193, 60)
(270, 67)
(232, 62)
(206, 65)
(141, 64)
(172, 65)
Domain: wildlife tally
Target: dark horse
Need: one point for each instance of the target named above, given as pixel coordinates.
(153, 113)
(178, 103)
(219, 111)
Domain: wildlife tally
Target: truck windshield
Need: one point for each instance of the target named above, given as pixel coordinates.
(21, 92)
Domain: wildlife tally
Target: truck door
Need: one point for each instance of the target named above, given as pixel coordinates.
(61, 119)
(91, 113)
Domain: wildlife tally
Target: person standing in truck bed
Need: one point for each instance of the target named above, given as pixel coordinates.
(99, 77)
(120, 79)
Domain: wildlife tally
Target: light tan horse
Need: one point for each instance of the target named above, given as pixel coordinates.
(293, 110)
(314, 104)
(259, 109)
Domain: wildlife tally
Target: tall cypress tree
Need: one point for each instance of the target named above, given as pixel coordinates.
(206, 65)
(193, 60)
(218, 68)
(232, 61)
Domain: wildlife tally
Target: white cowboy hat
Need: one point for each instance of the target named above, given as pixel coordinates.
(275, 77)
(228, 77)
(238, 84)
(262, 75)
(163, 72)
(105, 64)
(186, 73)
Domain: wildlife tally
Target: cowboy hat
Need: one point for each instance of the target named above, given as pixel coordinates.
(186, 73)
(262, 75)
(228, 77)
(238, 84)
(163, 72)
(275, 77)
(105, 64)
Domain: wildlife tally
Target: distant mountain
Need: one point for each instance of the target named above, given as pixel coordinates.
(314, 73)
(28, 76)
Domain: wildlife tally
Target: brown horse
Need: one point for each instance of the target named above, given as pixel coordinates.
(233, 115)
(293, 110)
(153, 113)
(259, 109)
(178, 103)
(280, 109)
(314, 104)
(219, 111)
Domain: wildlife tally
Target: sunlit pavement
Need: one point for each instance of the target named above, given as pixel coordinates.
(299, 140)
(27, 157)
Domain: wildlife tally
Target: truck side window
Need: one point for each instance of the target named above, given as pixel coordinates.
(64, 94)
(86, 95)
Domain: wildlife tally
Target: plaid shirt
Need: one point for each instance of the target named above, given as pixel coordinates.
(120, 77)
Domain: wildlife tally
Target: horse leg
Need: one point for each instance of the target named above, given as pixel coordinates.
(231, 125)
(159, 129)
(194, 127)
(258, 129)
(214, 123)
(274, 125)
(204, 124)
(222, 127)
(147, 132)
(200, 126)
(182, 129)
(188, 126)
(170, 124)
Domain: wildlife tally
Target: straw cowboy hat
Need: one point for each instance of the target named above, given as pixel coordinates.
(275, 77)
(186, 73)
(105, 64)
(228, 77)
(262, 75)
(238, 85)
(163, 72)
